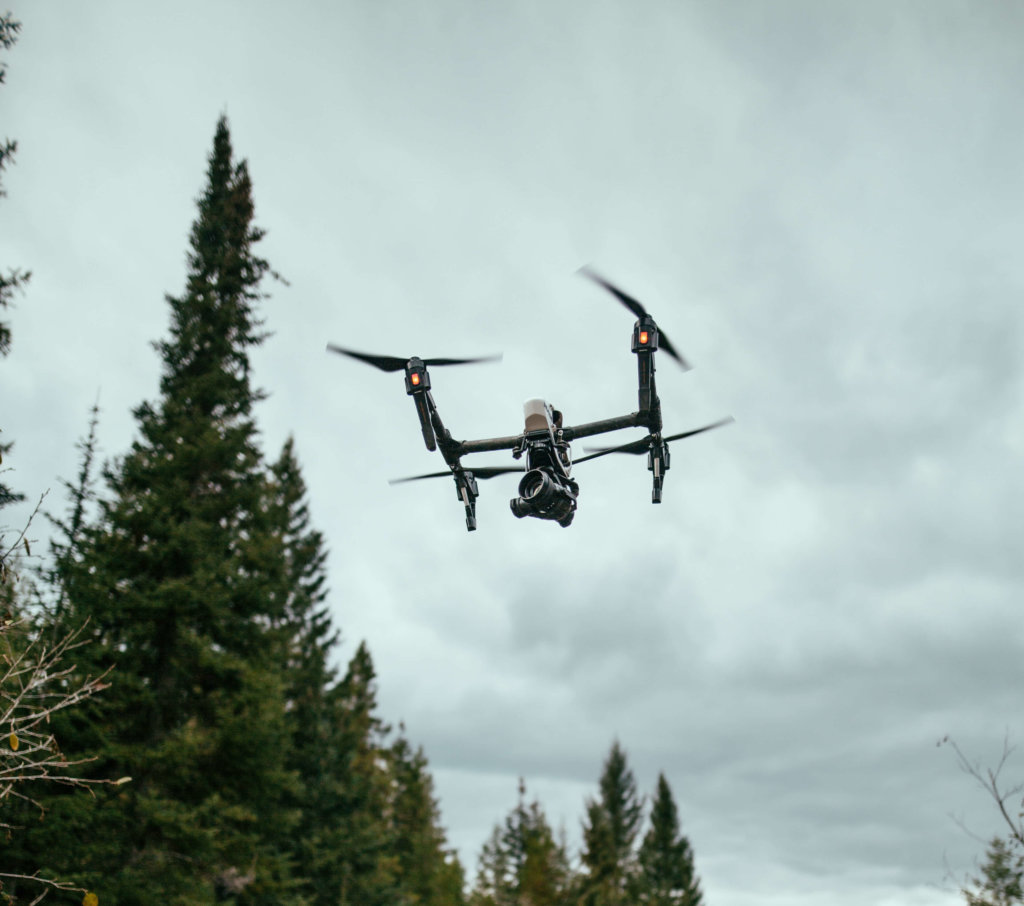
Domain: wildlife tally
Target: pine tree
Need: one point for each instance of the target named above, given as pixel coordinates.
(609, 834)
(521, 864)
(180, 581)
(1002, 877)
(345, 836)
(666, 859)
(13, 280)
(320, 737)
(494, 885)
(309, 634)
(428, 873)
(65, 549)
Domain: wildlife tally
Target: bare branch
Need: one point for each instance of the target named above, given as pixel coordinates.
(4, 554)
(48, 882)
(989, 780)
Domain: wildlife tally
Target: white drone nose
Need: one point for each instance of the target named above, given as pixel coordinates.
(538, 415)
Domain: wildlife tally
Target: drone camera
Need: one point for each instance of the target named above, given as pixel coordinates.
(541, 495)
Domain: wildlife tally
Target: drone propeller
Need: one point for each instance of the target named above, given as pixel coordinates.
(394, 363)
(634, 306)
(639, 447)
(480, 472)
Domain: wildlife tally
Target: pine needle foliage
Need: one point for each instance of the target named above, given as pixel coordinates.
(15, 279)
(609, 835)
(522, 864)
(667, 876)
(12, 280)
(180, 580)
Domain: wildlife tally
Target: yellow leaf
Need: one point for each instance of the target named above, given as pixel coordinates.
(122, 780)
(13, 740)
(90, 899)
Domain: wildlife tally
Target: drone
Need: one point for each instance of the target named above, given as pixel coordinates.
(547, 489)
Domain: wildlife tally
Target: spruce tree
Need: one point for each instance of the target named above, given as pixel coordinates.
(521, 862)
(180, 581)
(428, 873)
(65, 549)
(609, 834)
(308, 633)
(315, 717)
(666, 859)
(345, 851)
(15, 279)
(494, 880)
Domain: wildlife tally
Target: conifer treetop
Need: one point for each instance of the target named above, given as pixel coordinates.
(214, 323)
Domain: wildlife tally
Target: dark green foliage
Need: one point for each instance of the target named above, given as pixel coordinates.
(430, 874)
(522, 864)
(1000, 883)
(301, 560)
(609, 835)
(65, 549)
(181, 583)
(257, 776)
(666, 860)
(345, 853)
(15, 279)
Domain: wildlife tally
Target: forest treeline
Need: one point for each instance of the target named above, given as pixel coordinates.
(176, 730)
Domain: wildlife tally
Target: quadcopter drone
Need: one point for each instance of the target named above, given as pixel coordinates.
(546, 490)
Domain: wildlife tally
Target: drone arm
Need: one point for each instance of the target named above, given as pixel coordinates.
(633, 420)
(424, 406)
(462, 447)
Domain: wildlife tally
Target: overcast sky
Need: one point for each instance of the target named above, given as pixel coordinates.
(822, 204)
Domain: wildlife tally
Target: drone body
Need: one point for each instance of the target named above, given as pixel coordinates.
(547, 489)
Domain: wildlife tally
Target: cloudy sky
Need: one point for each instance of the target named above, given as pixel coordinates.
(822, 204)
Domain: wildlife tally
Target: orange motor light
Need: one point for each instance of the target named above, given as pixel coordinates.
(643, 337)
(415, 378)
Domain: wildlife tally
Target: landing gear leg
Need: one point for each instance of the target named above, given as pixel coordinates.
(465, 486)
(657, 464)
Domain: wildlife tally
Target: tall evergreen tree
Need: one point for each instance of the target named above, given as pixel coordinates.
(319, 723)
(666, 858)
(522, 864)
(609, 835)
(429, 874)
(14, 279)
(180, 586)
(65, 549)
(309, 634)
(494, 885)
(345, 838)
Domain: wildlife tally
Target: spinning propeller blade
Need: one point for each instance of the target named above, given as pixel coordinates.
(634, 306)
(480, 472)
(639, 447)
(394, 363)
